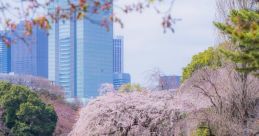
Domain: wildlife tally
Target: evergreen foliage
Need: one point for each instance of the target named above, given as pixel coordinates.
(243, 30)
(24, 112)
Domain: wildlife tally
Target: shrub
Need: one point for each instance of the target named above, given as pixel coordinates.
(202, 130)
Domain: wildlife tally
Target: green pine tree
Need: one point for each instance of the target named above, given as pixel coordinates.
(242, 28)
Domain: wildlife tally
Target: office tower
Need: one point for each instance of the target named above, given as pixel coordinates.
(5, 57)
(80, 53)
(61, 51)
(120, 79)
(29, 54)
(169, 82)
(118, 53)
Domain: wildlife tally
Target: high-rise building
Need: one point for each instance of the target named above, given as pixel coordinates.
(80, 53)
(169, 82)
(29, 54)
(118, 53)
(120, 79)
(61, 51)
(5, 57)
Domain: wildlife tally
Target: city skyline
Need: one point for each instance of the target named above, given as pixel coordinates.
(128, 67)
(81, 54)
(41, 51)
(167, 45)
(75, 54)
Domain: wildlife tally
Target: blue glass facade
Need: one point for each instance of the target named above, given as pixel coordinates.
(118, 53)
(5, 58)
(80, 55)
(29, 55)
(98, 55)
(120, 79)
(61, 51)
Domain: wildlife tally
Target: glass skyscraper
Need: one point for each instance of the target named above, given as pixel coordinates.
(118, 53)
(29, 54)
(5, 58)
(80, 54)
(119, 77)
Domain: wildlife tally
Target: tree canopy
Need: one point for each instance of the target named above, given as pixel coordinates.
(24, 112)
(243, 30)
(207, 58)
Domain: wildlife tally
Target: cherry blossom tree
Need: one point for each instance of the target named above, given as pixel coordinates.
(138, 113)
(126, 114)
(233, 101)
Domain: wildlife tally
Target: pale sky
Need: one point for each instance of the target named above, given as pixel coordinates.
(146, 46)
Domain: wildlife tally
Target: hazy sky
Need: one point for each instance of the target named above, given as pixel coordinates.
(147, 47)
